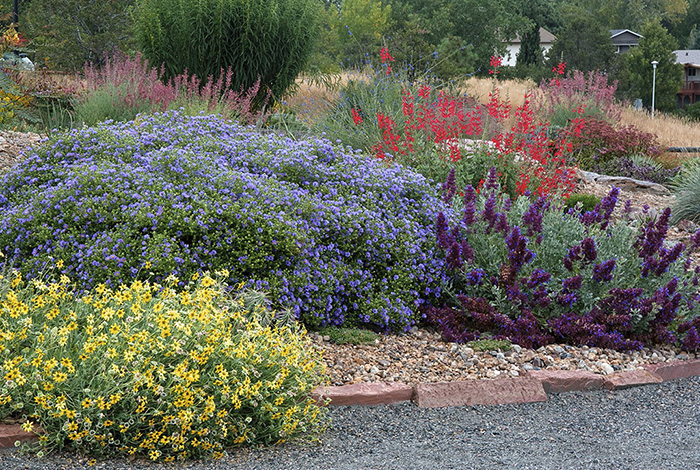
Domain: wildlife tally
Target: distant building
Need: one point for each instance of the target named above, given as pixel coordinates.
(690, 93)
(513, 46)
(624, 39)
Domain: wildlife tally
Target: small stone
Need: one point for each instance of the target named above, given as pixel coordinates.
(559, 350)
(326, 338)
(606, 368)
(384, 363)
(537, 362)
(517, 348)
(528, 366)
(374, 370)
(514, 373)
(500, 356)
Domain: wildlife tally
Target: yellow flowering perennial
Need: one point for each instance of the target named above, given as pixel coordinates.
(152, 371)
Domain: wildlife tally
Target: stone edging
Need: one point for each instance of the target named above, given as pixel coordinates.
(533, 387)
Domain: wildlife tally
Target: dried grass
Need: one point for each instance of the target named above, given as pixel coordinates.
(311, 100)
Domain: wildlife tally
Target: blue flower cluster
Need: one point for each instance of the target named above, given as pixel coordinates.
(333, 235)
(569, 276)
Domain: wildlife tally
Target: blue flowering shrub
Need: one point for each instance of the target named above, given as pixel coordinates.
(333, 236)
(535, 273)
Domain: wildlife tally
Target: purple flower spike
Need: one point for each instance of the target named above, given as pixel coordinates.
(628, 206)
(441, 228)
(603, 272)
(691, 342)
(588, 248)
(492, 180)
(572, 283)
(449, 187)
(469, 205)
(538, 277)
(475, 277)
(489, 213)
(467, 252)
(454, 259)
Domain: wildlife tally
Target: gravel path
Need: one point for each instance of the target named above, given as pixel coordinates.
(656, 426)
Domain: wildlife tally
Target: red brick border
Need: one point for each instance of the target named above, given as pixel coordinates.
(11, 433)
(534, 386)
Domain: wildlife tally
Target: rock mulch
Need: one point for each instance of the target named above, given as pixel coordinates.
(12, 144)
(421, 356)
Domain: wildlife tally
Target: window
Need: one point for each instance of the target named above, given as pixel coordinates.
(691, 72)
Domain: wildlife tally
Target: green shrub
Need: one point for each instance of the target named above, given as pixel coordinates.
(266, 40)
(152, 371)
(348, 335)
(585, 202)
(692, 112)
(490, 345)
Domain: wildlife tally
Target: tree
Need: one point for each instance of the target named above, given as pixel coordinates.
(69, 33)
(530, 52)
(656, 45)
(358, 29)
(583, 42)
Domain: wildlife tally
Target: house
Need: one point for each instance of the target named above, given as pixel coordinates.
(624, 39)
(513, 47)
(690, 93)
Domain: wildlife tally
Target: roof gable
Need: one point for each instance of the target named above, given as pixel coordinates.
(545, 38)
(688, 57)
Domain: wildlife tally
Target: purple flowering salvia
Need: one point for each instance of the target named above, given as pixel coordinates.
(603, 272)
(449, 187)
(537, 278)
(691, 341)
(518, 253)
(572, 283)
(502, 223)
(507, 204)
(489, 213)
(454, 258)
(695, 240)
(588, 248)
(441, 229)
(532, 219)
(607, 206)
(492, 180)
(628, 206)
(467, 252)
(469, 205)
(475, 277)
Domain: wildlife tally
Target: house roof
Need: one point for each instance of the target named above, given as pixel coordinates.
(618, 32)
(545, 37)
(688, 57)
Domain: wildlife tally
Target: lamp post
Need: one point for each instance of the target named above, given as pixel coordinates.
(654, 63)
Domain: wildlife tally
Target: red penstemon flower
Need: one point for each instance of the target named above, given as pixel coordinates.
(495, 63)
(356, 117)
(386, 57)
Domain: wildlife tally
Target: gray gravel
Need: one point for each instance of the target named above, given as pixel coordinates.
(656, 426)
